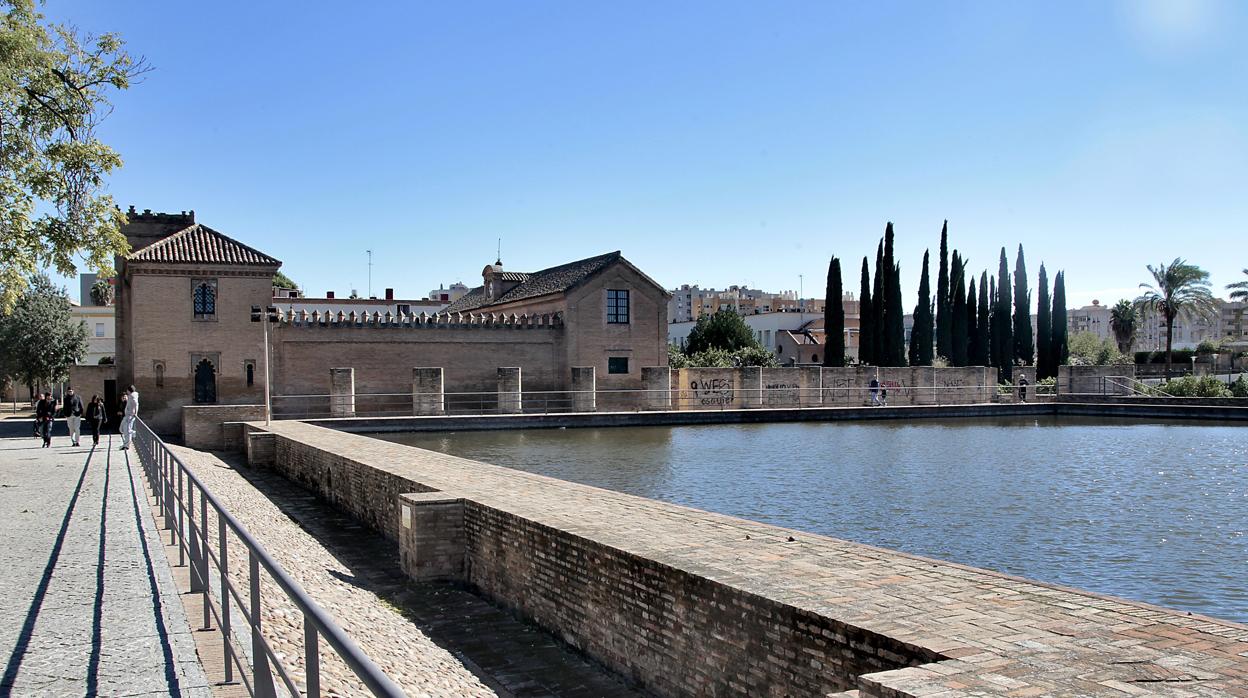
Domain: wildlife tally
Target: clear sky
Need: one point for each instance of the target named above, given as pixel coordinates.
(714, 143)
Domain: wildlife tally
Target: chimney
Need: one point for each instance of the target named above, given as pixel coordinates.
(329, 295)
(389, 294)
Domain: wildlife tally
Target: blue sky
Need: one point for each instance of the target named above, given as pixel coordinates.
(713, 143)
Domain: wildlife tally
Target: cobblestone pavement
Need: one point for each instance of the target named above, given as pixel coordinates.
(433, 640)
(89, 606)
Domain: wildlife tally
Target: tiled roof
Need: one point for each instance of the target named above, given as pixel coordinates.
(539, 283)
(199, 244)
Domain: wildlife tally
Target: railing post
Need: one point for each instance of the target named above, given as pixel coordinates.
(168, 497)
(197, 582)
(204, 558)
(311, 658)
(224, 554)
(261, 674)
(179, 531)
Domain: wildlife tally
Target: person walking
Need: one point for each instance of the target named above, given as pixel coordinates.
(95, 418)
(875, 390)
(1022, 388)
(45, 413)
(73, 411)
(130, 412)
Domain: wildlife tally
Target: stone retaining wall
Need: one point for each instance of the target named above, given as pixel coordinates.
(814, 386)
(203, 426)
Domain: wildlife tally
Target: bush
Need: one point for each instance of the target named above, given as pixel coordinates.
(1240, 387)
(721, 358)
(1191, 386)
(1086, 349)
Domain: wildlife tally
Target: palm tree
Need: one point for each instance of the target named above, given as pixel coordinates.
(1122, 320)
(1178, 288)
(1239, 289)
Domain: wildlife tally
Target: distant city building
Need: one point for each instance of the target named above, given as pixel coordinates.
(449, 295)
(688, 303)
(100, 322)
(770, 327)
(1227, 322)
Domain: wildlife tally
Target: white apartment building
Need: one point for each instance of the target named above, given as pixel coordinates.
(1229, 320)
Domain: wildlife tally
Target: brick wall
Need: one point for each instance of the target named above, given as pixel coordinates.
(202, 425)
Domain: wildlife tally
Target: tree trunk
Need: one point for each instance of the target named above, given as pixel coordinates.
(1169, 345)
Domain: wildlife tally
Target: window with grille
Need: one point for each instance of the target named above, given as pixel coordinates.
(617, 307)
(204, 299)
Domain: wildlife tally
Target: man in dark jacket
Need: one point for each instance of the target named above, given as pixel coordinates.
(73, 411)
(45, 412)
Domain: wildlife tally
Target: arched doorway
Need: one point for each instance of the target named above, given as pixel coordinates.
(205, 382)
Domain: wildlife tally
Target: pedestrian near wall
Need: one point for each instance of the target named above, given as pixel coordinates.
(73, 411)
(45, 413)
(875, 390)
(129, 412)
(96, 415)
(1022, 388)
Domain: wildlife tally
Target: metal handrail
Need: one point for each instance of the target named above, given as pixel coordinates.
(174, 485)
(1131, 383)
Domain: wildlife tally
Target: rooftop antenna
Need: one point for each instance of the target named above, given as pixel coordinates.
(370, 273)
(499, 259)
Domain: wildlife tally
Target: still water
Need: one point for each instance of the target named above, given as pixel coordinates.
(1152, 512)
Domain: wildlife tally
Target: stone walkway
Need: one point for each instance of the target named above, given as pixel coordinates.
(431, 639)
(89, 605)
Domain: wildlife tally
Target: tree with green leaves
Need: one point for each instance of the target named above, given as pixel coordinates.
(866, 317)
(983, 324)
(894, 313)
(722, 330)
(40, 338)
(1004, 343)
(1122, 320)
(1060, 353)
(102, 292)
(957, 316)
(834, 317)
(972, 324)
(55, 87)
(1024, 349)
(280, 280)
(1044, 329)
(943, 298)
(1239, 289)
(921, 335)
(1178, 288)
(879, 300)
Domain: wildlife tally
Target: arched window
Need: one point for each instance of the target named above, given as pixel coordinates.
(251, 374)
(204, 299)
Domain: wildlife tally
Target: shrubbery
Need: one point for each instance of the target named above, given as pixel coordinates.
(721, 358)
(1191, 386)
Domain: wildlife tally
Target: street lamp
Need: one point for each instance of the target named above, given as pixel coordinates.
(264, 318)
(1193, 365)
(1215, 366)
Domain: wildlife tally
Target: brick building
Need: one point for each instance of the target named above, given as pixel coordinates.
(185, 335)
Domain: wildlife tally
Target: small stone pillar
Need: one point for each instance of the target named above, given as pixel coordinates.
(656, 381)
(509, 400)
(810, 386)
(752, 387)
(427, 391)
(342, 392)
(431, 536)
(584, 389)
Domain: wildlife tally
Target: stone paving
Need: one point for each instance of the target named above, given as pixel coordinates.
(89, 605)
(1000, 635)
(431, 639)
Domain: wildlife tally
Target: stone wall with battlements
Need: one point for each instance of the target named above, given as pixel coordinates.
(814, 386)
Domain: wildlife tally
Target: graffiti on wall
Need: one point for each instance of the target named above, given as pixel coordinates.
(712, 392)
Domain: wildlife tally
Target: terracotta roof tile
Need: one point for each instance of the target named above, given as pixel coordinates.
(199, 244)
(539, 283)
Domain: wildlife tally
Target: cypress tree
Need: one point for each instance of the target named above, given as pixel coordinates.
(1024, 348)
(972, 324)
(1060, 352)
(957, 315)
(982, 324)
(894, 313)
(943, 329)
(1005, 358)
(834, 318)
(879, 353)
(921, 335)
(866, 315)
(1044, 328)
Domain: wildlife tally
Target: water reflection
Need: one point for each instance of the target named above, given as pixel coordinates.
(1155, 512)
